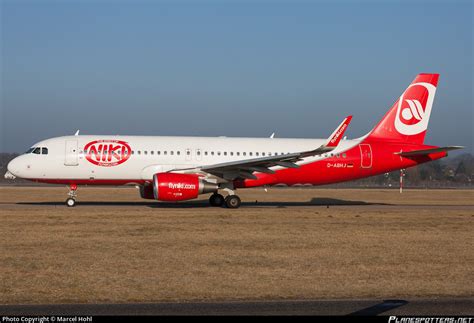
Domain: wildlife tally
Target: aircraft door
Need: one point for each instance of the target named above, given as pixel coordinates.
(365, 156)
(71, 158)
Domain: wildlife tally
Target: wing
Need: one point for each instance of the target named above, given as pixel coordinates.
(244, 169)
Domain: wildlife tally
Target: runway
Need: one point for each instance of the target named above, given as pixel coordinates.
(296, 307)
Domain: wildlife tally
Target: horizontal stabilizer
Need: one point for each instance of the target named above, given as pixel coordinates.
(428, 151)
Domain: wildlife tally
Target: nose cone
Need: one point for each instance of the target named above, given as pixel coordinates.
(13, 168)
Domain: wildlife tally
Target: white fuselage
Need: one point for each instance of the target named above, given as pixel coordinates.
(66, 158)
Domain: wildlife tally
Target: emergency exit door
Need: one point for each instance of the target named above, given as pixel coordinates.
(365, 156)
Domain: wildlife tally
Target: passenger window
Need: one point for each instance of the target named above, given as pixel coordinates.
(198, 153)
(205, 153)
(256, 154)
(138, 152)
(146, 152)
(238, 153)
(171, 152)
(244, 153)
(232, 153)
(177, 153)
(152, 152)
(218, 153)
(158, 152)
(188, 152)
(225, 153)
(250, 154)
(165, 152)
(44, 151)
(344, 155)
(212, 153)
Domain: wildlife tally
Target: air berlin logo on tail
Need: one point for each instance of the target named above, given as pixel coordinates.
(414, 111)
(107, 152)
(414, 108)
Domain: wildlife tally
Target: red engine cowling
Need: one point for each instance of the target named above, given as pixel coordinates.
(180, 187)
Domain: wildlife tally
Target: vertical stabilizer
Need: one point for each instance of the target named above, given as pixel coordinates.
(407, 120)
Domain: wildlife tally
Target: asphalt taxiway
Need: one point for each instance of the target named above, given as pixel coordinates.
(442, 307)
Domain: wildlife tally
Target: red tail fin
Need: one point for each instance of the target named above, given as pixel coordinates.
(407, 120)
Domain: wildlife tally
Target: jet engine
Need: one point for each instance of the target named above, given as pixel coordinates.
(179, 187)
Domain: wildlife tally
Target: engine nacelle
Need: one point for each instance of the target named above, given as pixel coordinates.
(180, 187)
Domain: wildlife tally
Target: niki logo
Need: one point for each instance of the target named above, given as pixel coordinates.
(414, 108)
(107, 152)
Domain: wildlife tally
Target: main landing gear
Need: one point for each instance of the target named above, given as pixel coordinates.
(216, 200)
(231, 201)
(71, 200)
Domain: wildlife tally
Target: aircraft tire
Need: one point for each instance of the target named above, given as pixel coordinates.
(233, 201)
(70, 202)
(216, 200)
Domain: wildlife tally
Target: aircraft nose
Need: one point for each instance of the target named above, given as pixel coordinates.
(12, 168)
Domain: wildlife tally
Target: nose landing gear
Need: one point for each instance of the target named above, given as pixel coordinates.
(71, 200)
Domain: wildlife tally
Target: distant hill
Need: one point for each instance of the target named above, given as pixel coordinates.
(455, 171)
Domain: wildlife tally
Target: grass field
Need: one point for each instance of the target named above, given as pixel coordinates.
(293, 243)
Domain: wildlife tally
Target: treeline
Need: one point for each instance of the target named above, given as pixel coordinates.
(455, 171)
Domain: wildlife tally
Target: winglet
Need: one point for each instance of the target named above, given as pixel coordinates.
(337, 135)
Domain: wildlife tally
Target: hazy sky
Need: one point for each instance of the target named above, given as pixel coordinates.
(237, 68)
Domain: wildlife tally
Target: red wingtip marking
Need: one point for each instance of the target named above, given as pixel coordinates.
(339, 132)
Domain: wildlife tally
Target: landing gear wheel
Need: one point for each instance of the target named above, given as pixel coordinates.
(216, 200)
(70, 202)
(232, 201)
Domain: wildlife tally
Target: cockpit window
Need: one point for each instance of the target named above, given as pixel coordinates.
(44, 151)
(37, 151)
(30, 150)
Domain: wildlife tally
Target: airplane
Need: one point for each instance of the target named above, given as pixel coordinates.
(182, 168)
